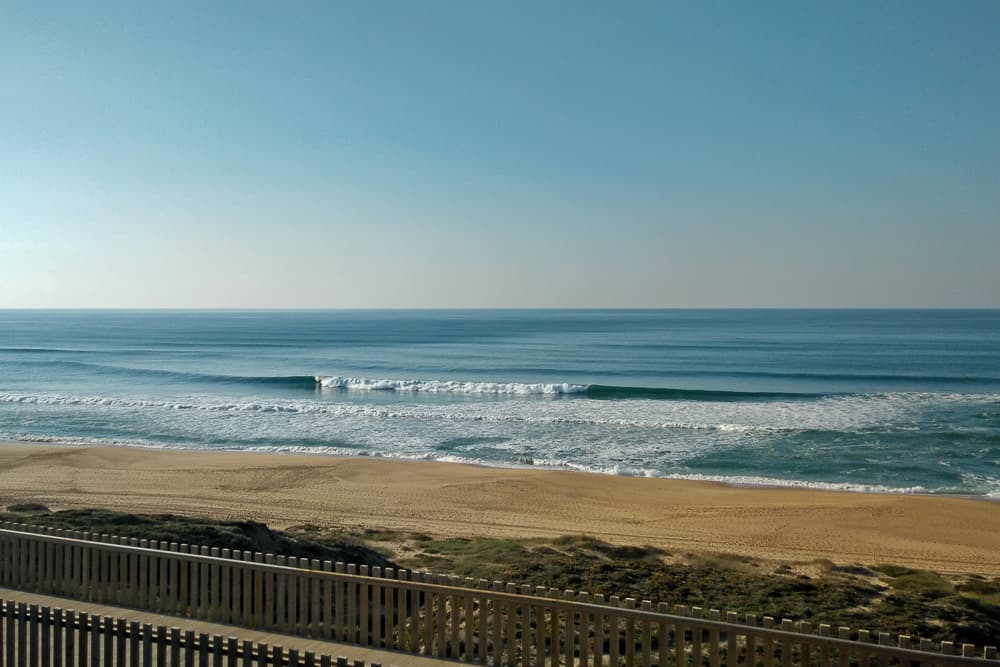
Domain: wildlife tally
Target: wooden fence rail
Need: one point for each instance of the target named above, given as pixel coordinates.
(34, 636)
(467, 620)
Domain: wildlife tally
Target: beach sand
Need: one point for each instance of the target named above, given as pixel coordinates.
(443, 499)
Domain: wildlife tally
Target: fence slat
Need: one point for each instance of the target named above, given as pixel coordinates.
(248, 652)
(439, 620)
(258, 583)
(646, 638)
(107, 639)
(32, 646)
(364, 593)
(481, 628)
(314, 609)
(45, 620)
(351, 604)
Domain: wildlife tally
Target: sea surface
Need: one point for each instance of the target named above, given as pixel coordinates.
(859, 400)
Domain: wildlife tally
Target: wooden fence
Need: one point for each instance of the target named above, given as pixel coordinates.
(33, 636)
(472, 621)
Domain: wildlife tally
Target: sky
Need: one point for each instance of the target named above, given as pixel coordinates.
(510, 154)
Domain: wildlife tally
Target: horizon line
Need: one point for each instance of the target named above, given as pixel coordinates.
(477, 308)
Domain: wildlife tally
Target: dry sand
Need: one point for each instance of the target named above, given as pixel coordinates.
(442, 499)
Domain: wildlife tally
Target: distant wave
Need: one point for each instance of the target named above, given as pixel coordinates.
(300, 381)
(293, 381)
(41, 350)
(485, 387)
(856, 377)
(611, 391)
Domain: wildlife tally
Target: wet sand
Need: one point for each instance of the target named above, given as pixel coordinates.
(444, 499)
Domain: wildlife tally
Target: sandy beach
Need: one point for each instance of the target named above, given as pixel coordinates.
(940, 533)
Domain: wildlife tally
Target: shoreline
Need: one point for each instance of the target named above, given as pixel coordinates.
(771, 483)
(943, 533)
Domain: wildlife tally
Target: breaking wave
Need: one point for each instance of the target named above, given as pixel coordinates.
(450, 386)
(596, 391)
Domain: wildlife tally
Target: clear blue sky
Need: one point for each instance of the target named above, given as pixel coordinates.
(452, 154)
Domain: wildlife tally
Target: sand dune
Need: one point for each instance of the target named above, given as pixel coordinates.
(945, 534)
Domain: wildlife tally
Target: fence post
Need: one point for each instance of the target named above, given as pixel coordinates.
(22, 634)
(248, 653)
(121, 640)
(70, 638)
(51, 642)
(203, 650)
(32, 648)
(232, 652)
(216, 650)
(108, 639)
(95, 639)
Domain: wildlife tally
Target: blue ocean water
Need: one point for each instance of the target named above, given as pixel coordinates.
(903, 401)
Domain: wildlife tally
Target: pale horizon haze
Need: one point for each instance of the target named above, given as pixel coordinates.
(453, 155)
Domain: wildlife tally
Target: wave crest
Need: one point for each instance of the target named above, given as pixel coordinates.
(450, 386)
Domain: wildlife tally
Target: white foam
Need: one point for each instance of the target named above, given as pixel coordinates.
(757, 481)
(619, 437)
(79, 440)
(450, 386)
(835, 413)
(603, 414)
(321, 450)
(58, 399)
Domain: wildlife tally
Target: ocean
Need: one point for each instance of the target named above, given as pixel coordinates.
(899, 401)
